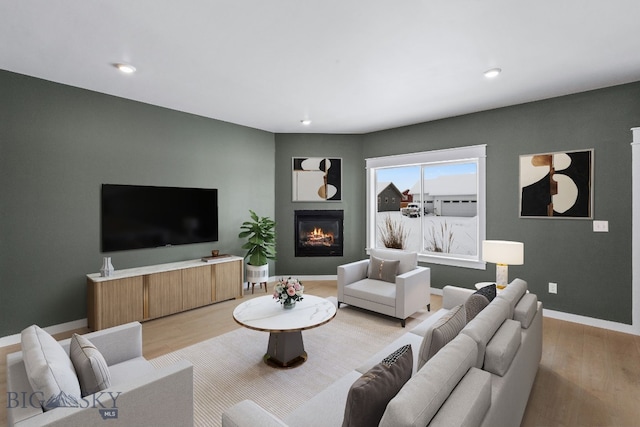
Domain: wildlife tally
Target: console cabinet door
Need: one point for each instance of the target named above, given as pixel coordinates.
(228, 280)
(115, 302)
(196, 287)
(164, 293)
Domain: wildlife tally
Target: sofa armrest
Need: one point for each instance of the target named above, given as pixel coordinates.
(248, 413)
(163, 397)
(453, 295)
(117, 344)
(351, 273)
(413, 291)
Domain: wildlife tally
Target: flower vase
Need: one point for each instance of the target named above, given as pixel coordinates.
(107, 268)
(289, 304)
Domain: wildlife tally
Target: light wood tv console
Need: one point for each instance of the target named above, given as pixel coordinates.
(145, 293)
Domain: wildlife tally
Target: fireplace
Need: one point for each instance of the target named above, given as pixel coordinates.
(318, 233)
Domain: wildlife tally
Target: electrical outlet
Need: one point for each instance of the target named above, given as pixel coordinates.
(600, 226)
(553, 288)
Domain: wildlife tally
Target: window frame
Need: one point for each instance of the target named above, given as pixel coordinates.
(476, 153)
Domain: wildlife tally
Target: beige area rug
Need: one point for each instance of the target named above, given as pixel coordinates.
(229, 368)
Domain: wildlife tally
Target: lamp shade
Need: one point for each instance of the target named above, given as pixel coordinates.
(503, 252)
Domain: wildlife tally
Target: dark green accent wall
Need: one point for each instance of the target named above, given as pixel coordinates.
(59, 143)
(347, 147)
(593, 270)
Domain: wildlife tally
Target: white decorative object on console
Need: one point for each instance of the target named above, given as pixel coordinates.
(107, 268)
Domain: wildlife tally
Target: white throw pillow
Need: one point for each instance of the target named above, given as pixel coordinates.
(90, 365)
(49, 369)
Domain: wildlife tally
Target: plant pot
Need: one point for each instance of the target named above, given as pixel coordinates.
(257, 274)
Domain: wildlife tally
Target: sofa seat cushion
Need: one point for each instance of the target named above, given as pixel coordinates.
(423, 395)
(526, 310)
(314, 413)
(468, 403)
(369, 395)
(93, 372)
(49, 369)
(441, 333)
(128, 370)
(408, 260)
(502, 348)
(373, 290)
(485, 324)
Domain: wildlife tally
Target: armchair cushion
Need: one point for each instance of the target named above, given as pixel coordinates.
(48, 367)
(93, 372)
(383, 269)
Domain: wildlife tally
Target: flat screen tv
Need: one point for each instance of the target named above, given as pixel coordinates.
(137, 216)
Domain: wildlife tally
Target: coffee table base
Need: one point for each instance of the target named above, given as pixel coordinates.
(286, 350)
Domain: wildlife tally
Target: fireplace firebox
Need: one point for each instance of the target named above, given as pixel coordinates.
(319, 233)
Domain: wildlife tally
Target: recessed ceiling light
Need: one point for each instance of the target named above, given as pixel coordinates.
(125, 68)
(305, 122)
(492, 73)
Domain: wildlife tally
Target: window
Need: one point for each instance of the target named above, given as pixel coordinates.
(442, 213)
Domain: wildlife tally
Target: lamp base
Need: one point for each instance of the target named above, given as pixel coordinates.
(502, 276)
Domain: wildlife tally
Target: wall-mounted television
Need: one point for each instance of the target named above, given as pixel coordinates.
(138, 216)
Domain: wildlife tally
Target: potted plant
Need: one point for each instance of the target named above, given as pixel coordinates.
(260, 246)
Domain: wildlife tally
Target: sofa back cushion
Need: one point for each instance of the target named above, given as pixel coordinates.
(526, 310)
(408, 260)
(485, 324)
(503, 347)
(369, 395)
(468, 403)
(441, 333)
(513, 292)
(423, 395)
(49, 369)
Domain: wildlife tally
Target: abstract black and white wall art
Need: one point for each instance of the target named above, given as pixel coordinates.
(317, 179)
(557, 185)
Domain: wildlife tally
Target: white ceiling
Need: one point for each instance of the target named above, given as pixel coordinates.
(351, 66)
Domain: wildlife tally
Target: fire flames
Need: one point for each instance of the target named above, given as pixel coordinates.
(317, 237)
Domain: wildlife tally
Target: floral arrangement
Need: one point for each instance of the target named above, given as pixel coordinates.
(288, 291)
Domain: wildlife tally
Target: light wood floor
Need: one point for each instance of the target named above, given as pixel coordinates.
(587, 376)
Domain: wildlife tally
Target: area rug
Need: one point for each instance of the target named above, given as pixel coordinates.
(229, 368)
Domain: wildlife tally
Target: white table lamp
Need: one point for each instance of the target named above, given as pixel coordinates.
(503, 253)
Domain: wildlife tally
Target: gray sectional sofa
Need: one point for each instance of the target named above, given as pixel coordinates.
(482, 375)
(139, 394)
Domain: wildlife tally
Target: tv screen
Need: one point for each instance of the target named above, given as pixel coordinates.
(136, 216)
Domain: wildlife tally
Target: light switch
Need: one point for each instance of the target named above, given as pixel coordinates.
(600, 226)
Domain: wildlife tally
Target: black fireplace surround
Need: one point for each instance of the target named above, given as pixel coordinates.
(319, 233)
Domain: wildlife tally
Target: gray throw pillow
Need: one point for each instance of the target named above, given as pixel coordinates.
(90, 365)
(369, 395)
(441, 333)
(383, 269)
(479, 300)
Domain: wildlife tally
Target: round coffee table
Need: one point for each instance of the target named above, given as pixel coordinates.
(285, 326)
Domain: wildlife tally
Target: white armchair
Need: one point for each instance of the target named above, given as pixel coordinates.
(377, 290)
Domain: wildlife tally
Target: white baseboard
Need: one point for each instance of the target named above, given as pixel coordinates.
(55, 329)
(590, 321)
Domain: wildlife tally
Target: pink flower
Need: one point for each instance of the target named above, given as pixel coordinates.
(291, 291)
(297, 287)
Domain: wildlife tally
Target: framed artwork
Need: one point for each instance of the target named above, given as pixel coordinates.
(316, 179)
(557, 185)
